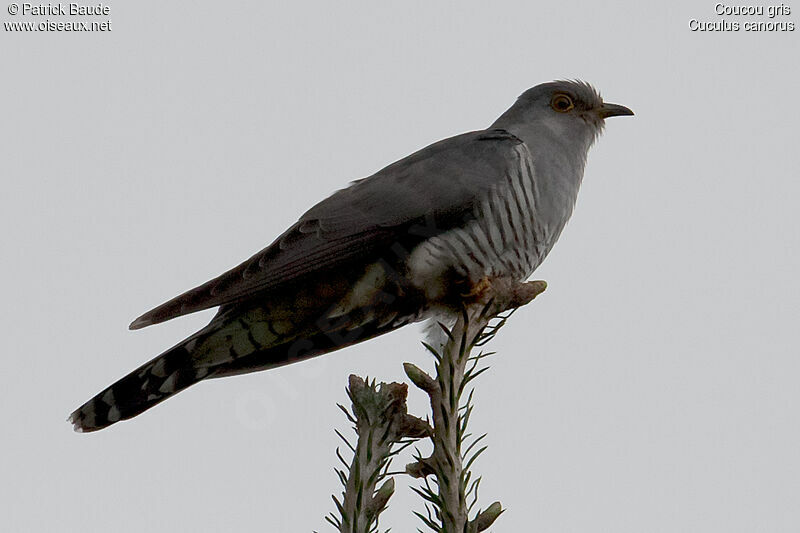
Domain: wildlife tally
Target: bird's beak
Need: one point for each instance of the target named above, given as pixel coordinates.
(613, 110)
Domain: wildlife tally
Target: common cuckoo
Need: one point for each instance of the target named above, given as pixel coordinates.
(402, 245)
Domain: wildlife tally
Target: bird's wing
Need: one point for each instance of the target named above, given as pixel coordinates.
(433, 190)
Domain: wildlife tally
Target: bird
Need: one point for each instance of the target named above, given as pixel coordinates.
(403, 245)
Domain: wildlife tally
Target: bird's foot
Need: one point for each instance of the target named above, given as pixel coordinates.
(478, 291)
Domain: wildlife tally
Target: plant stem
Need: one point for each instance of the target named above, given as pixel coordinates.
(449, 422)
(381, 421)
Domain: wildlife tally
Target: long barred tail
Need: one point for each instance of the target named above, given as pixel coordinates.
(242, 341)
(152, 383)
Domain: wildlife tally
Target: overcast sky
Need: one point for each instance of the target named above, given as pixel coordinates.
(653, 387)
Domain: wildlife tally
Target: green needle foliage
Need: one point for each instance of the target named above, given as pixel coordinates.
(384, 428)
(449, 490)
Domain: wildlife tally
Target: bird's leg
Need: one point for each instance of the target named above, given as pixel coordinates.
(478, 291)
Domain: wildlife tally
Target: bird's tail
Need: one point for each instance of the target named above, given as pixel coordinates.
(152, 383)
(245, 340)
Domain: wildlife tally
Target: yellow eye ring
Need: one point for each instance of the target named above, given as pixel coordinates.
(562, 103)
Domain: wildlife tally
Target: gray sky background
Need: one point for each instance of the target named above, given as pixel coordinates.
(653, 387)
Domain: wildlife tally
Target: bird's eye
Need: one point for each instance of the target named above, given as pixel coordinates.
(562, 103)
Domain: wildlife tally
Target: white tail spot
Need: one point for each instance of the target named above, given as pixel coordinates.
(88, 416)
(169, 384)
(108, 397)
(113, 414)
(158, 369)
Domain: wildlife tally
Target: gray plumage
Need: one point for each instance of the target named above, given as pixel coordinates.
(399, 246)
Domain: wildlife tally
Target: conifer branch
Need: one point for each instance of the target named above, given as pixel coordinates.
(384, 428)
(455, 493)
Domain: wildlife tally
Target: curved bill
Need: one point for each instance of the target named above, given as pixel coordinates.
(613, 110)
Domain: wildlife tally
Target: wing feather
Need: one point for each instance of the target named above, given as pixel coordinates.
(431, 190)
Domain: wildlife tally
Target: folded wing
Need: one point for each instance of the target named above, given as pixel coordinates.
(415, 198)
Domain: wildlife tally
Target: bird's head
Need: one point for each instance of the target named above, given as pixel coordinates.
(571, 110)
